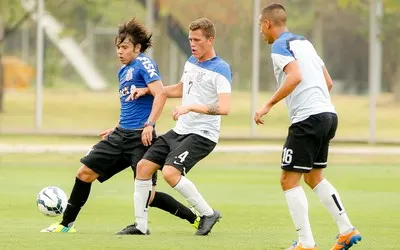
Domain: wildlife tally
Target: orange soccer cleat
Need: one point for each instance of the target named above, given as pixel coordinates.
(346, 241)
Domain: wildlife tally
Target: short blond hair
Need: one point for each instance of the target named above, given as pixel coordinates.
(205, 25)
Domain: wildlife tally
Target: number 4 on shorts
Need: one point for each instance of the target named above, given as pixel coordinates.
(183, 156)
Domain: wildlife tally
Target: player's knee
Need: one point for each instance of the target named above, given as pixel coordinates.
(171, 175)
(86, 174)
(142, 171)
(308, 180)
(284, 183)
(289, 181)
(312, 181)
(313, 178)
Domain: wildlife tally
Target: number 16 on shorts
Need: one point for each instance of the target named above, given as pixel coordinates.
(287, 156)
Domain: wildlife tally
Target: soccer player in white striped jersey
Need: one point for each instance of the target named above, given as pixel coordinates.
(205, 89)
(304, 83)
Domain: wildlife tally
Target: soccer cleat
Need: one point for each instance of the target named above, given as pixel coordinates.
(196, 222)
(298, 246)
(58, 228)
(132, 230)
(346, 241)
(207, 222)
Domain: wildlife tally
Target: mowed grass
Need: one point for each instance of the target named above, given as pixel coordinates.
(80, 110)
(244, 187)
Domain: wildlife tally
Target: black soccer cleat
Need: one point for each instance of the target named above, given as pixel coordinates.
(132, 230)
(207, 223)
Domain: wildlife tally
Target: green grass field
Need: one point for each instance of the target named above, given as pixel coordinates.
(244, 187)
(80, 110)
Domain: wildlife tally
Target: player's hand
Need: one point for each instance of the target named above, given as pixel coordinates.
(136, 93)
(260, 113)
(178, 111)
(105, 133)
(147, 135)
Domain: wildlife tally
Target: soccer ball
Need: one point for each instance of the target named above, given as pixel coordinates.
(52, 201)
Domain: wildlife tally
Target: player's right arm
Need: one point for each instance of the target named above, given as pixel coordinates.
(103, 134)
(328, 78)
(174, 91)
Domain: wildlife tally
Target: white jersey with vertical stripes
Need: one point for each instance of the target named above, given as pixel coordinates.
(202, 83)
(311, 96)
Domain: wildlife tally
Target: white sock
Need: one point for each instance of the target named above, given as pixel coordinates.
(298, 207)
(188, 190)
(331, 199)
(141, 200)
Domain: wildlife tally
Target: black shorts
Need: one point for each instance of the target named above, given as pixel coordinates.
(180, 151)
(307, 143)
(123, 148)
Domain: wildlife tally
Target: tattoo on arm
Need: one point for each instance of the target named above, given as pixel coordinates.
(213, 109)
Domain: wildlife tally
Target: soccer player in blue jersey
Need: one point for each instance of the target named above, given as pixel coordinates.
(205, 89)
(305, 83)
(125, 144)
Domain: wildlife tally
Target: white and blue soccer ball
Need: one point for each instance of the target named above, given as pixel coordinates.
(52, 201)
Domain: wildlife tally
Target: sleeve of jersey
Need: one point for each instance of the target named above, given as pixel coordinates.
(184, 69)
(150, 74)
(320, 61)
(281, 55)
(223, 80)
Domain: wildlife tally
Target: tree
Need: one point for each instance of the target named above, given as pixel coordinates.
(1, 66)
(11, 15)
(338, 30)
(391, 41)
(390, 25)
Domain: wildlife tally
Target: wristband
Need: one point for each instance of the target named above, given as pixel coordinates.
(149, 123)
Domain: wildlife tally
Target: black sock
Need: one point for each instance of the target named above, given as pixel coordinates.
(168, 203)
(79, 195)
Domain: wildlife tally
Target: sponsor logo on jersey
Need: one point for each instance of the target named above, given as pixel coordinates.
(126, 90)
(148, 65)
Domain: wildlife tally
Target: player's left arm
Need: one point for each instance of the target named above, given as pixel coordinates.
(293, 78)
(328, 79)
(221, 107)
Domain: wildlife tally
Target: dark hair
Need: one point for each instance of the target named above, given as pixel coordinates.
(205, 25)
(273, 11)
(273, 6)
(136, 32)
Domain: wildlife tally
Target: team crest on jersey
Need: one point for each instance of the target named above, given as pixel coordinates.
(129, 74)
(199, 76)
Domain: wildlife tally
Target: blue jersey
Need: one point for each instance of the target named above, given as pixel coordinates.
(137, 74)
